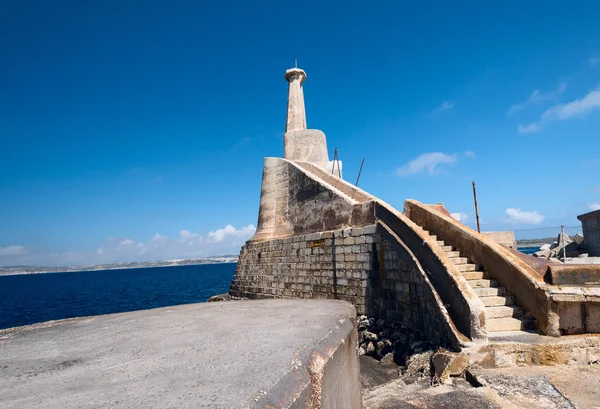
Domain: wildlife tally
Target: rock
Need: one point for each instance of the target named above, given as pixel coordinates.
(362, 322)
(584, 255)
(542, 253)
(578, 238)
(387, 359)
(545, 247)
(419, 364)
(557, 248)
(370, 349)
(369, 336)
(219, 297)
(446, 364)
(383, 347)
(361, 351)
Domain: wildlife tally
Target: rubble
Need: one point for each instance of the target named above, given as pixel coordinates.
(573, 247)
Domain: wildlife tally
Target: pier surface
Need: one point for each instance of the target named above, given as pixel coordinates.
(231, 354)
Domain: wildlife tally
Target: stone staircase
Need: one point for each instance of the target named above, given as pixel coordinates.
(502, 313)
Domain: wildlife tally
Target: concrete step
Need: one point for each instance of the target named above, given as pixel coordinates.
(474, 275)
(433, 236)
(447, 248)
(459, 260)
(482, 283)
(495, 301)
(486, 292)
(509, 324)
(467, 267)
(452, 253)
(441, 243)
(505, 311)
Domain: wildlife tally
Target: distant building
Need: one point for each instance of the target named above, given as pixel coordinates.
(590, 222)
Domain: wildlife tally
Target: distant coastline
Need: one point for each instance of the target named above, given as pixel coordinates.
(16, 270)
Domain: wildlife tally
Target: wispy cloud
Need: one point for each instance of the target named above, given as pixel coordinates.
(594, 206)
(12, 251)
(538, 97)
(517, 216)
(595, 61)
(530, 128)
(446, 106)
(430, 162)
(186, 244)
(469, 154)
(578, 108)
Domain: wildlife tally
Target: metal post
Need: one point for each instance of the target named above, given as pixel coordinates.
(334, 160)
(476, 209)
(564, 242)
(359, 171)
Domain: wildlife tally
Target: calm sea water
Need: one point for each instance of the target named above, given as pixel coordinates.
(529, 250)
(31, 298)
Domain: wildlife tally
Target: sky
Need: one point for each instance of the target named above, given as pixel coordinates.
(136, 130)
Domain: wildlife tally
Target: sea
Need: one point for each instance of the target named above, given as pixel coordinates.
(30, 298)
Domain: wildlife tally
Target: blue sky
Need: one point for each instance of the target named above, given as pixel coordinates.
(137, 129)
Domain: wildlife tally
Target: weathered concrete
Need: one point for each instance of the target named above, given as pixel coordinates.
(294, 202)
(511, 349)
(545, 387)
(566, 274)
(465, 308)
(230, 354)
(296, 114)
(559, 310)
(590, 223)
(300, 144)
(308, 145)
(366, 266)
(505, 238)
(523, 282)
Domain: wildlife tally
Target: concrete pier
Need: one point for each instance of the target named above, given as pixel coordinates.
(230, 354)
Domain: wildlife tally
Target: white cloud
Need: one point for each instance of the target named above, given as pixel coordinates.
(538, 97)
(594, 206)
(574, 109)
(469, 154)
(226, 240)
(446, 106)
(231, 232)
(518, 216)
(428, 161)
(460, 217)
(13, 251)
(531, 128)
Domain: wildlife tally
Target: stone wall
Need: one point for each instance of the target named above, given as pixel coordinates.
(353, 264)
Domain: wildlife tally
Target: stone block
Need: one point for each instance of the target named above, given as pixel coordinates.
(357, 231)
(348, 241)
(370, 229)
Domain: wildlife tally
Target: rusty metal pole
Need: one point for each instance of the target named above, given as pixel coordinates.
(476, 209)
(359, 171)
